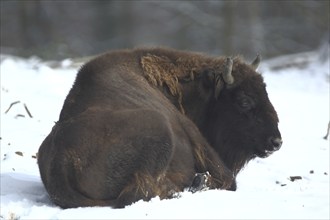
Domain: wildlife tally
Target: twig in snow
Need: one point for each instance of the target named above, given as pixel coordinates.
(27, 110)
(11, 105)
(293, 178)
(19, 153)
(327, 135)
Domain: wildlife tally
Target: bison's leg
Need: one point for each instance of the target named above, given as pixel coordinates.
(203, 181)
(111, 158)
(220, 175)
(199, 182)
(137, 148)
(141, 174)
(59, 169)
(207, 160)
(143, 157)
(102, 157)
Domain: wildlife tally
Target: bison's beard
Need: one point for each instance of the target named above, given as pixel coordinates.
(237, 157)
(263, 153)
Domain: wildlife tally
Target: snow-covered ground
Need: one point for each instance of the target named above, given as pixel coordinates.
(35, 91)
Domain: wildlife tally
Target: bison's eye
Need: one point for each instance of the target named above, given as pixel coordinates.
(245, 102)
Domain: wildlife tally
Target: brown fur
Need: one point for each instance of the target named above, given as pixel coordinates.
(159, 71)
(141, 123)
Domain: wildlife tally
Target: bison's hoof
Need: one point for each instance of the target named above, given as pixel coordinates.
(199, 182)
(233, 186)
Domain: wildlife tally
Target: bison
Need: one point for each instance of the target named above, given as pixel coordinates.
(153, 122)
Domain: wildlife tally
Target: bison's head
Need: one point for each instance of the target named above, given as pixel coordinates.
(242, 123)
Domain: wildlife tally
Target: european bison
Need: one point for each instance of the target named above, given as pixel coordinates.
(150, 122)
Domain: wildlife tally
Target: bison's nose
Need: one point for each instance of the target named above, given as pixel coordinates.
(276, 143)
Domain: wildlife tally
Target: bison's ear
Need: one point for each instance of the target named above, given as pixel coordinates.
(209, 80)
(218, 85)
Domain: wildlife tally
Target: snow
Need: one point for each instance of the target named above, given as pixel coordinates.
(300, 95)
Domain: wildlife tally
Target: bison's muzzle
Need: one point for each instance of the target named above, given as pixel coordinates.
(274, 144)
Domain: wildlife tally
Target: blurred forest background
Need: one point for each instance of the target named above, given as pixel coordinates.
(68, 28)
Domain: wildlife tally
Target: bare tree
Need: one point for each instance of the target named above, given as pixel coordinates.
(58, 29)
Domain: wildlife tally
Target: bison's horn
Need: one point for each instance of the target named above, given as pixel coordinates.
(256, 62)
(227, 75)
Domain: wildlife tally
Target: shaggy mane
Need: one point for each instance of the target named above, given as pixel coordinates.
(161, 70)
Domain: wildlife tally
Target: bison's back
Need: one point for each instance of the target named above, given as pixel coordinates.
(114, 81)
